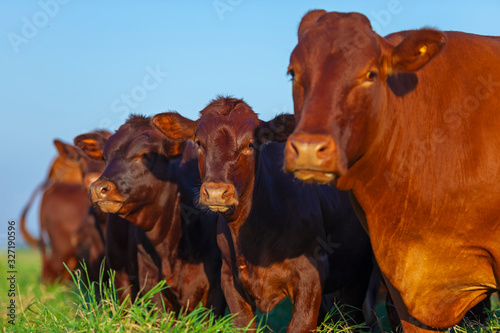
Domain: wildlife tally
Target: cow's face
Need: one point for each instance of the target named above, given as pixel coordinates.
(340, 71)
(228, 136)
(226, 156)
(136, 158)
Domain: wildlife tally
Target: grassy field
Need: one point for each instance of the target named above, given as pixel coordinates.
(69, 308)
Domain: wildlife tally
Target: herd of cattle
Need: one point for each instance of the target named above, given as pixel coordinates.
(390, 164)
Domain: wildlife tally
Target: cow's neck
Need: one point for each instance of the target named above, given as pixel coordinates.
(161, 218)
(390, 164)
(167, 230)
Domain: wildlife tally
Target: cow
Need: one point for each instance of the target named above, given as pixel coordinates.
(61, 171)
(151, 181)
(89, 237)
(63, 210)
(278, 237)
(409, 125)
(118, 234)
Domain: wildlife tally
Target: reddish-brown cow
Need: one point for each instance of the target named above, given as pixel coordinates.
(418, 148)
(64, 211)
(151, 181)
(278, 237)
(62, 170)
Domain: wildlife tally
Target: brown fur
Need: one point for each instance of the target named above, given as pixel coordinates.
(389, 118)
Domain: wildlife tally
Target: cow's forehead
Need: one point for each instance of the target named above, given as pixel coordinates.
(132, 139)
(348, 35)
(237, 124)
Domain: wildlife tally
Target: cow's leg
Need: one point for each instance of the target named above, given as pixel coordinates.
(307, 292)
(354, 293)
(235, 300)
(408, 322)
(123, 286)
(215, 298)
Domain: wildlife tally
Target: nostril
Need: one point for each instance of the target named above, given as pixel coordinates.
(104, 189)
(206, 191)
(101, 188)
(324, 149)
(294, 147)
(225, 192)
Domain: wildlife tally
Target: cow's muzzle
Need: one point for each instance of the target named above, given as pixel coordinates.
(105, 194)
(314, 158)
(218, 197)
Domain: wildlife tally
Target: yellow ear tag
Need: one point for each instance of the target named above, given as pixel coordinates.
(422, 50)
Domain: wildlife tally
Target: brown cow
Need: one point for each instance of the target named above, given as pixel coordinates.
(117, 234)
(151, 182)
(278, 237)
(409, 124)
(64, 208)
(61, 170)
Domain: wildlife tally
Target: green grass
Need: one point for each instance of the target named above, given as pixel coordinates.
(71, 307)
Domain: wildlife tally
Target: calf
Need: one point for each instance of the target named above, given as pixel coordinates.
(278, 237)
(151, 181)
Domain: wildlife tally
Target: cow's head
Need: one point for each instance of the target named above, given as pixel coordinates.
(136, 158)
(88, 169)
(341, 72)
(228, 135)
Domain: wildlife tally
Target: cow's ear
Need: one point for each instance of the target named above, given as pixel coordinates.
(309, 20)
(175, 126)
(67, 151)
(92, 144)
(175, 148)
(416, 50)
(277, 129)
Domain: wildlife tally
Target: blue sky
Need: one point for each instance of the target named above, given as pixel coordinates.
(68, 66)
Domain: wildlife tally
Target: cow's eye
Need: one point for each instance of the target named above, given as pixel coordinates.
(371, 76)
(249, 148)
(291, 72)
(198, 144)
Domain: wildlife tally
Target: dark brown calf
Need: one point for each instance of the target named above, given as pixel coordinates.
(151, 181)
(409, 124)
(278, 237)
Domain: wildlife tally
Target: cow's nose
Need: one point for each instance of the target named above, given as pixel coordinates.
(309, 151)
(222, 194)
(100, 190)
